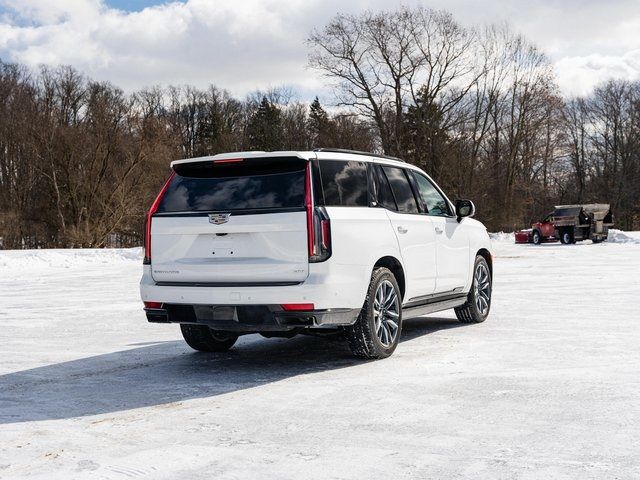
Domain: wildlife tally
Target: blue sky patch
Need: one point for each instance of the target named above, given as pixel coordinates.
(133, 5)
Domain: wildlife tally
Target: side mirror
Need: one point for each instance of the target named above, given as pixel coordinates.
(465, 208)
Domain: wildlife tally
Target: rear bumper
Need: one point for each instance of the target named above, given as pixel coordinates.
(251, 318)
(328, 286)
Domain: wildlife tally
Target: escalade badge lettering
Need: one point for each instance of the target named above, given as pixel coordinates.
(219, 218)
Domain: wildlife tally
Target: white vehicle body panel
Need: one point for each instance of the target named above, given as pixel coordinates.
(478, 241)
(247, 248)
(327, 286)
(416, 238)
(452, 252)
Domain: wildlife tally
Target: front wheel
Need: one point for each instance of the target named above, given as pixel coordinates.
(204, 339)
(537, 238)
(376, 333)
(478, 304)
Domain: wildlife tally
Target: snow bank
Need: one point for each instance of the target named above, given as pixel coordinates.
(618, 236)
(615, 236)
(502, 237)
(67, 258)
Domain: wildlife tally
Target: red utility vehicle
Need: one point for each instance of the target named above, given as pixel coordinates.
(544, 230)
(541, 231)
(570, 223)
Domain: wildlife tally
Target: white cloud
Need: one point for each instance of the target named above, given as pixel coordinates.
(242, 45)
(239, 45)
(587, 40)
(578, 75)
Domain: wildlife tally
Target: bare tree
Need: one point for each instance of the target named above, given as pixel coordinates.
(378, 63)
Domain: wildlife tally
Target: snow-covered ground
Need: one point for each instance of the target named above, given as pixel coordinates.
(547, 387)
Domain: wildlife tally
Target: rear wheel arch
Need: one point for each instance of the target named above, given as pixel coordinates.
(394, 265)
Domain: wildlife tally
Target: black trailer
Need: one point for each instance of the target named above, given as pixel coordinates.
(582, 222)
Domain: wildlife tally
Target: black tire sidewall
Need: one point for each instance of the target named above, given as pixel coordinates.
(222, 337)
(536, 235)
(378, 346)
(204, 339)
(478, 314)
(362, 337)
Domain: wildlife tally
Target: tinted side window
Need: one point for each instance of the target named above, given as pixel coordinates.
(344, 183)
(401, 189)
(385, 197)
(434, 201)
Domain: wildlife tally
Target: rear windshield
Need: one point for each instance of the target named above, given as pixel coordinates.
(252, 184)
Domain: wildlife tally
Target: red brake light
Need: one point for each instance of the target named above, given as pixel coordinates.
(147, 223)
(297, 307)
(308, 203)
(318, 224)
(229, 160)
(153, 304)
(326, 234)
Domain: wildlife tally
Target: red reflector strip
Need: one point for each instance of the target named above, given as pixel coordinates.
(229, 160)
(325, 234)
(153, 304)
(295, 307)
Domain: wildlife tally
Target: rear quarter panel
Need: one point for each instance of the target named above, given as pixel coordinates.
(359, 237)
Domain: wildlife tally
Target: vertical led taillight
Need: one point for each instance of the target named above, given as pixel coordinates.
(147, 220)
(318, 223)
(308, 205)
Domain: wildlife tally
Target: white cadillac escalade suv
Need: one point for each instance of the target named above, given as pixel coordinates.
(282, 243)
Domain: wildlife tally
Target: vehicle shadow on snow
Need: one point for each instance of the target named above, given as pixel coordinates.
(166, 372)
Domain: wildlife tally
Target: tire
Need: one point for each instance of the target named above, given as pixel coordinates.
(566, 237)
(203, 339)
(478, 305)
(372, 336)
(536, 237)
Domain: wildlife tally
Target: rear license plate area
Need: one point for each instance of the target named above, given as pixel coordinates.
(219, 313)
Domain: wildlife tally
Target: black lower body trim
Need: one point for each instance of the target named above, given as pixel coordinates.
(432, 307)
(251, 318)
(435, 298)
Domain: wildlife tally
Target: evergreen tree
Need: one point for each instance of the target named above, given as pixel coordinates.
(264, 130)
(425, 138)
(320, 125)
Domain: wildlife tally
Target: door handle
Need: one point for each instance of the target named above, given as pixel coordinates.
(439, 230)
(402, 230)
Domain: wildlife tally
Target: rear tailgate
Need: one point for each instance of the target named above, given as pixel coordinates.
(240, 222)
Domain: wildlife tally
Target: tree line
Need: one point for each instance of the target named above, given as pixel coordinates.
(478, 108)
(81, 161)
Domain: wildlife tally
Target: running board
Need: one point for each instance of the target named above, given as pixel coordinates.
(419, 310)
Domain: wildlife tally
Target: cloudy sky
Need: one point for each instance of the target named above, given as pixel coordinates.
(242, 45)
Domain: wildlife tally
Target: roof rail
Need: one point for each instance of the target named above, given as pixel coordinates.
(357, 152)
